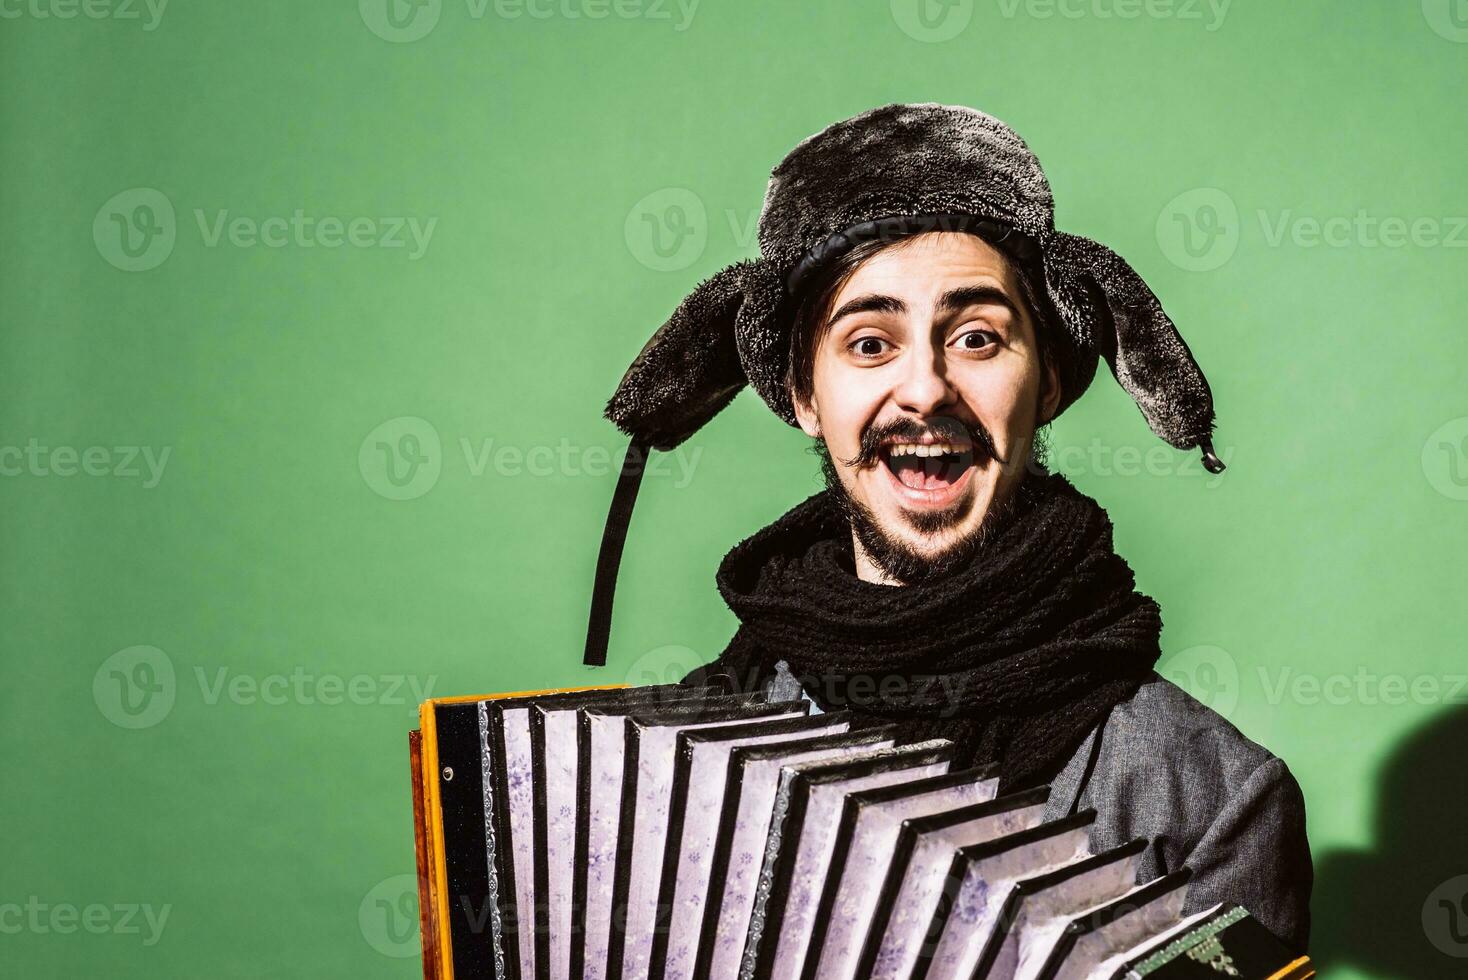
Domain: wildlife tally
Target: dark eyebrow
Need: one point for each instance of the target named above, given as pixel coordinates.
(956, 300)
(870, 303)
(953, 301)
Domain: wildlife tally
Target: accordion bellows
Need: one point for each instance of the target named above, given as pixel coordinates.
(671, 833)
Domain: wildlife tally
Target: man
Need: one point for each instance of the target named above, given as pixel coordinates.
(916, 313)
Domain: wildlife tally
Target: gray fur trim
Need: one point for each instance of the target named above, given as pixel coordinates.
(689, 370)
(1147, 355)
(905, 161)
(902, 160)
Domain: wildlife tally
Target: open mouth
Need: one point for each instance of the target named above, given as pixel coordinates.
(931, 470)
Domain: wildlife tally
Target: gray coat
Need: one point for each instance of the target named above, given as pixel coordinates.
(1165, 767)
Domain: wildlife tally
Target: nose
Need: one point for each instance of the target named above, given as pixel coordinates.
(923, 388)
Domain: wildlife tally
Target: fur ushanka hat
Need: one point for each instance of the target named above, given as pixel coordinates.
(885, 174)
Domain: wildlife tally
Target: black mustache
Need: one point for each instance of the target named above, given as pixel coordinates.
(940, 428)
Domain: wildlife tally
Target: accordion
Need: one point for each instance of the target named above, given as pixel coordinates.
(675, 833)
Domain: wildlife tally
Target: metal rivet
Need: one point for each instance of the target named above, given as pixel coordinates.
(448, 774)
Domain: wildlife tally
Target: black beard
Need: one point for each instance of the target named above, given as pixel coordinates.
(910, 567)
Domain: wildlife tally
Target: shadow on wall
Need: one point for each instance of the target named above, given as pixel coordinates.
(1400, 909)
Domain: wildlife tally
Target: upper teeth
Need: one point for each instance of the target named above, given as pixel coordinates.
(917, 449)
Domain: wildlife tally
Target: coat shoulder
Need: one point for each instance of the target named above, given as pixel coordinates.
(1171, 769)
(1164, 722)
(1178, 773)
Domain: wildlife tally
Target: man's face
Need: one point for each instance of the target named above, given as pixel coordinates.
(926, 392)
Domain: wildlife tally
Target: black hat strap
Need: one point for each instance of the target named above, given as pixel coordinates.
(599, 627)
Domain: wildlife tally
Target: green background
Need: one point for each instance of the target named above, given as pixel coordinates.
(274, 825)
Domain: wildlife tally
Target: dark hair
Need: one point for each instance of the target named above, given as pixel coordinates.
(820, 291)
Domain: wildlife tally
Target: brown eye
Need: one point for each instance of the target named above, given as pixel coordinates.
(869, 347)
(977, 340)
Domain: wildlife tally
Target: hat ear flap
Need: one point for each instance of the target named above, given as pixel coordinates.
(684, 376)
(764, 344)
(689, 370)
(1140, 343)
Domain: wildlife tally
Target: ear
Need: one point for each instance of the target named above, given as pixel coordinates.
(807, 414)
(1049, 394)
(689, 370)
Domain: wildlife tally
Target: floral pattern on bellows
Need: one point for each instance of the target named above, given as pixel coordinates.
(703, 812)
(561, 761)
(983, 889)
(921, 890)
(519, 783)
(606, 752)
(751, 829)
(813, 859)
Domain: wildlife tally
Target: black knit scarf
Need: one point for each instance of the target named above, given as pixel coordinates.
(1015, 656)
